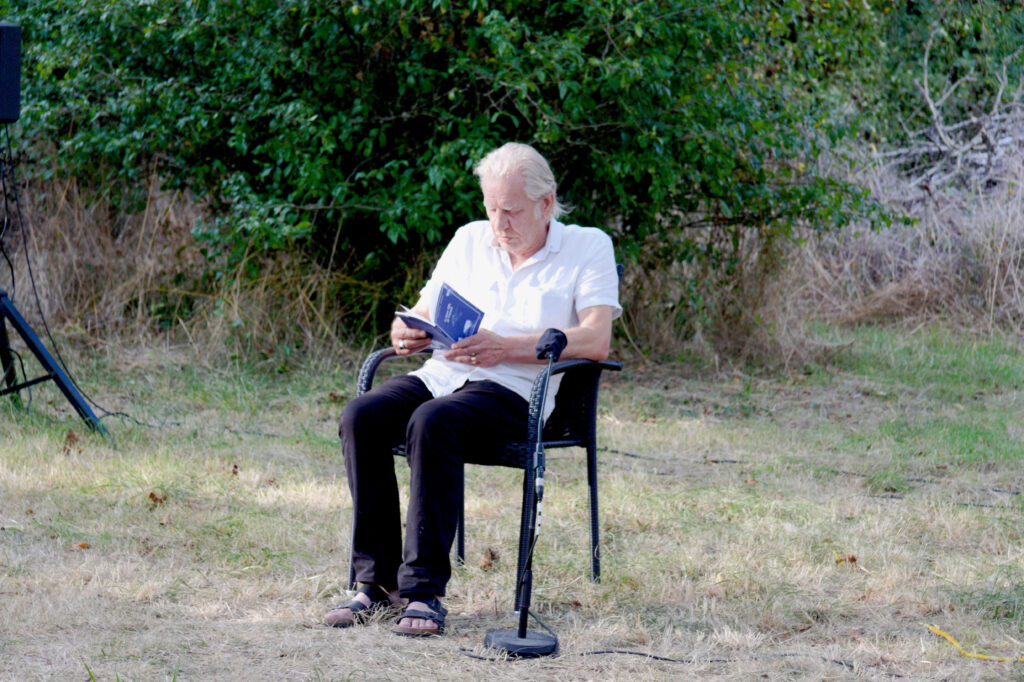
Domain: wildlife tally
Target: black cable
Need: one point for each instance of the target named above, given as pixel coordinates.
(10, 265)
(24, 376)
(4, 164)
(469, 654)
(125, 415)
(625, 454)
(543, 624)
(655, 657)
(1005, 492)
(662, 459)
(645, 654)
(628, 652)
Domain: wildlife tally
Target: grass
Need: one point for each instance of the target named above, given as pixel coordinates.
(788, 526)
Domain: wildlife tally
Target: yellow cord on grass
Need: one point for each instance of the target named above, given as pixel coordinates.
(983, 657)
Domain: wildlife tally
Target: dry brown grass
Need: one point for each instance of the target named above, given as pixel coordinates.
(105, 275)
(961, 260)
(722, 532)
(98, 269)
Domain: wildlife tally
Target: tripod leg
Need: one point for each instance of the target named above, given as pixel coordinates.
(8, 311)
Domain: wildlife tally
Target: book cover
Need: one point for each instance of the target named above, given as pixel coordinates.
(455, 318)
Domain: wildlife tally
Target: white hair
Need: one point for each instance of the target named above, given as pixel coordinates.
(514, 157)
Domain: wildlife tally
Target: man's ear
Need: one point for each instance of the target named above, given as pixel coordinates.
(548, 205)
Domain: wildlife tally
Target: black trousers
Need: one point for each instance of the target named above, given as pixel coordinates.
(437, 432)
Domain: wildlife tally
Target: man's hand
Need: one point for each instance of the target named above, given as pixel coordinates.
(407, 340)
(590, 339)
(483, 349)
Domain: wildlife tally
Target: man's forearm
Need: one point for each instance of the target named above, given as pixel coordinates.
(591, 339)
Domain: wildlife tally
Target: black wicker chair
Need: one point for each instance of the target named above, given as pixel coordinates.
(573, 423)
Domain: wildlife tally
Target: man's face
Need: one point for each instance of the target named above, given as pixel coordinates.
(519, 224)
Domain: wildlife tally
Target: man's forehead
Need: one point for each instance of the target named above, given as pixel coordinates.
(504, 201)
(505, 192)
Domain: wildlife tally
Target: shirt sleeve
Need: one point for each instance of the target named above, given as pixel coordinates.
(598, 283)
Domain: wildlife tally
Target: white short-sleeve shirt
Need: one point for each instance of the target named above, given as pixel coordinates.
(574, 270)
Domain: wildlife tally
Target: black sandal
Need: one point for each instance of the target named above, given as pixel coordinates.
(361, 613)
(435, 615)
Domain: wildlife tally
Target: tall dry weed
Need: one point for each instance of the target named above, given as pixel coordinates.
(699, 307)
(107, 275)
(96, 269)
(960, 259)
(292, 310)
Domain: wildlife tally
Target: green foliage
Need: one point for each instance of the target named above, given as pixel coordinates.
(974, 42)
(349, 129)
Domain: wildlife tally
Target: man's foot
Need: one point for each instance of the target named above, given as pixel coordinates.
(422, 619)
(368, 600)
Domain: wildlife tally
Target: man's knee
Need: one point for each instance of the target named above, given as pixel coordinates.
(440, 411)
(348, 419)
(432, 419)
(357, 412)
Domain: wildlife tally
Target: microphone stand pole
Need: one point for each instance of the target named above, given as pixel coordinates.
(520, 643)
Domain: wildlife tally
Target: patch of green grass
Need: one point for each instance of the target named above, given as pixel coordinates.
(888, 482)
(961, 438)
(999, 596)
(949, 367)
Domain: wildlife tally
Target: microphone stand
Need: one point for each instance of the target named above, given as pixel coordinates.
(520, 643)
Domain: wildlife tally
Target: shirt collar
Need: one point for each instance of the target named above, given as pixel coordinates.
(556, 231)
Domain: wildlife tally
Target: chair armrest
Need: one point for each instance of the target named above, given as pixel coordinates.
(364, 382)
(582, 363)
(575, 366)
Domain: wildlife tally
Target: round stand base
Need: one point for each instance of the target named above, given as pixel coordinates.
(533, 645)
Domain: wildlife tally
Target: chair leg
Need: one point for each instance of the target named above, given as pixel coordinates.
(595, 547)
(460, 542)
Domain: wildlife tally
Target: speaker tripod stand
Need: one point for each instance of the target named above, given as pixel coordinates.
(9, 314)
(10, 109)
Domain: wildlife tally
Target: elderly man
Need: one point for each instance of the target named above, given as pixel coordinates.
(527, 272)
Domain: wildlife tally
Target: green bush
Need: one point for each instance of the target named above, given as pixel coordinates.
(348, 130)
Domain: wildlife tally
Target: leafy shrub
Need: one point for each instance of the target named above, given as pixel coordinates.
(348, 130)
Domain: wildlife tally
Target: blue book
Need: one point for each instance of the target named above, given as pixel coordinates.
(455, 318)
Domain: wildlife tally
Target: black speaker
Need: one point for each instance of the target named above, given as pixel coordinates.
(10, 72)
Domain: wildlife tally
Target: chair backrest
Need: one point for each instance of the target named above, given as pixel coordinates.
(575, 406)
